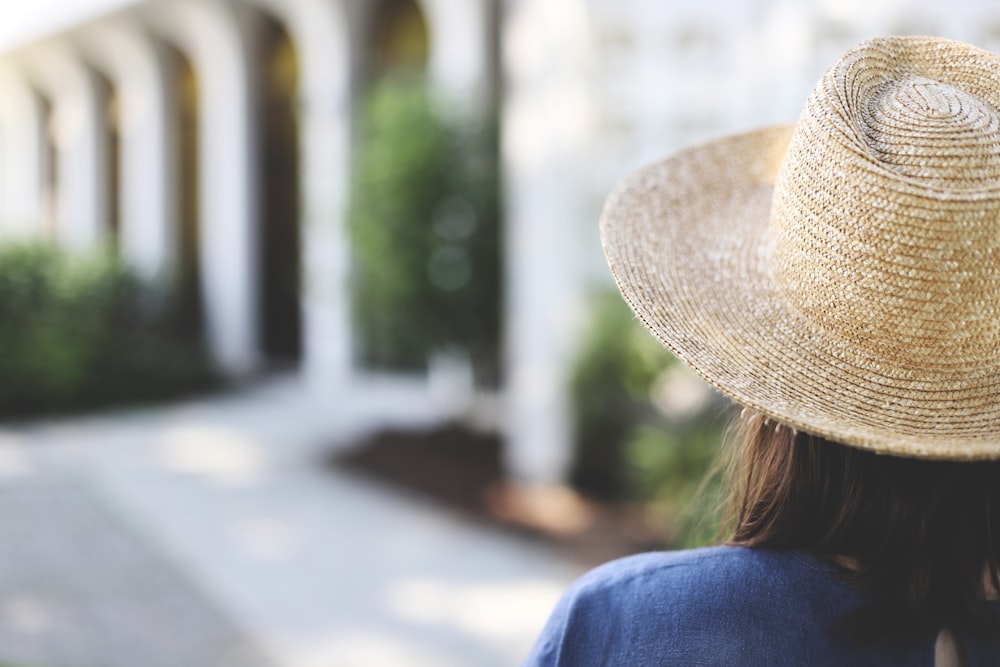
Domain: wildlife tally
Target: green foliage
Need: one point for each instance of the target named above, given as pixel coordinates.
(672, 467)
(424, 225)
(626, 447)
(80, 333)
(617, 365)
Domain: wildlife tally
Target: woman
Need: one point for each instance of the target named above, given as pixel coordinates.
(841, 279)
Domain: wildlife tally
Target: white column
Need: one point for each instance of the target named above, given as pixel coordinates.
(209, 34)
(324, 146)
(546, 125)
(81, 210)
(460, 40)
(148, 240)
(318, 30)
(23, 207)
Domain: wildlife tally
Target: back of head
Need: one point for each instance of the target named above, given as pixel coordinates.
(921, 537)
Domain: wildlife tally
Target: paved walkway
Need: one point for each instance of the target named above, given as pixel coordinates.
(209, 534)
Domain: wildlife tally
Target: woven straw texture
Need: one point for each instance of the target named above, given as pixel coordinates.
(840, 275)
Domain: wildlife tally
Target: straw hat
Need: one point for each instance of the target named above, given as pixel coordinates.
(842, 275)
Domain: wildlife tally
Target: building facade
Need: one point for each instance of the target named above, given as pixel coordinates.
(214, 138)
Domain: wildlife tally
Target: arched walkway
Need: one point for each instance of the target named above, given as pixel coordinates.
(78, 124)
(209, 34)
(138, 139)
(212, 36)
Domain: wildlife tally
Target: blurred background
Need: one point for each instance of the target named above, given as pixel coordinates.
(308, 351)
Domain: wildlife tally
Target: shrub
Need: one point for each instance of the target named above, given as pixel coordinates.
(646, 429)
(424, 224)
(84, 332)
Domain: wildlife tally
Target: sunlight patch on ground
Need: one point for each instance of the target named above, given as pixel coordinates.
(269, 539)
(13, 461)
(211, 452)
(502, 610)
(361, 648)
(26, 614)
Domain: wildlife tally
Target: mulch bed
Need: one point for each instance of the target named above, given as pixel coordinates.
(462, 470)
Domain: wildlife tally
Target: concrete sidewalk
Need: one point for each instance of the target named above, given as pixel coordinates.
(209, 533)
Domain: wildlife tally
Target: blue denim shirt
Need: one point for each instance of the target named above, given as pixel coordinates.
(720, 606)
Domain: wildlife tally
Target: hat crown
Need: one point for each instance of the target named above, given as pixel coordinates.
(930, 131)
(885, 223)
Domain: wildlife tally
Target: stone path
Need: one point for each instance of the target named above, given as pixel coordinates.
(78, 588)
(210, 534)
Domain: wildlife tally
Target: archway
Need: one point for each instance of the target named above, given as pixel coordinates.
(110, 140)
(321, 38)
(183, 83)
(278, 190)
(49, 165)
(401, 43)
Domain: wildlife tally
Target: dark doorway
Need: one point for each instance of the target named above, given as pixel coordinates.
(278, 190)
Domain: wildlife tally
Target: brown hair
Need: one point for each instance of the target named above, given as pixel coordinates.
(919, 535)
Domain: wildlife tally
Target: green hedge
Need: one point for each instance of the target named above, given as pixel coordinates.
(424, 223)
(630, 448)
(81, 333)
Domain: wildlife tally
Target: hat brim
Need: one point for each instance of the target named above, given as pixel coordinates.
(686, 241)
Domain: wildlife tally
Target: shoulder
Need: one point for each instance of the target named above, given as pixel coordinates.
(663, 608)
(712, 567)
(716, 577)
